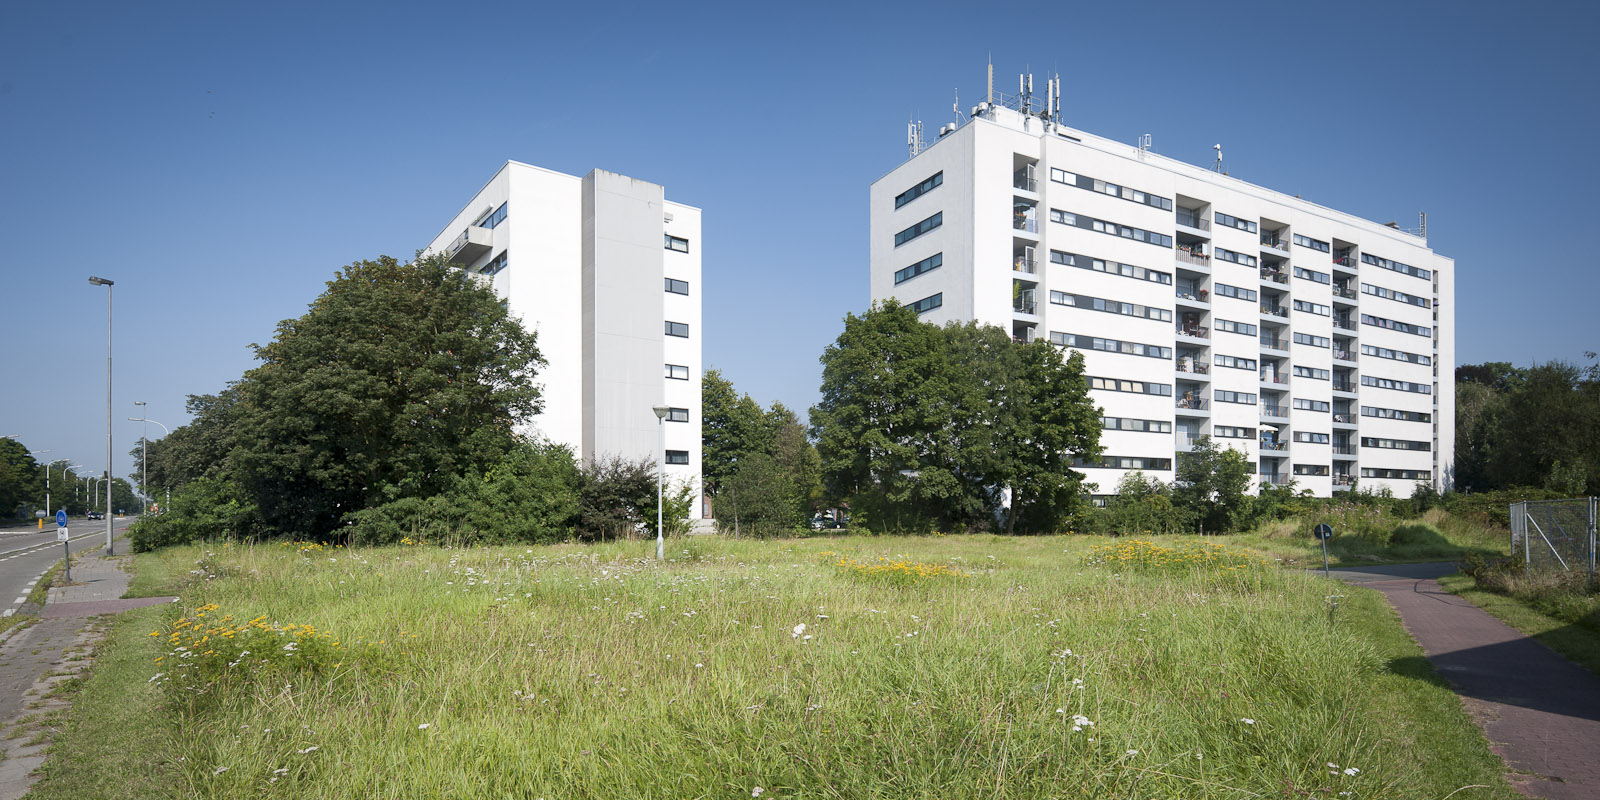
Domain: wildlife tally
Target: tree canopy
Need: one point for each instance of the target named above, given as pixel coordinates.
(1535, 426)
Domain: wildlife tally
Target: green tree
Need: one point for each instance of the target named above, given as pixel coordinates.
(21, 479)
(731, 428)
(399, 379)
(1056, 422)
(200, 449)
(1210, 486)
(1143, 505)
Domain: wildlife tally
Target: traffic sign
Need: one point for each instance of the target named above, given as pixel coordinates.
(61, 534)
(61, 518)
(1323, 531)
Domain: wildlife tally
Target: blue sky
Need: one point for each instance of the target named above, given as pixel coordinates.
(221, 160)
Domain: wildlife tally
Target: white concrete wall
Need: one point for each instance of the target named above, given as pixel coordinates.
(686, 436)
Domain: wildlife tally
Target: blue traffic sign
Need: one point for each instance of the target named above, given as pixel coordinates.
(61, 518)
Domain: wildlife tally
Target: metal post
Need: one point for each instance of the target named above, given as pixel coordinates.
(661, 468)
(110, 549)
(144, 456)
(66, 559)
(1592, 535)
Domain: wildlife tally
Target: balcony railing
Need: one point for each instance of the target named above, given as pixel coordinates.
(1195, 403)
(1343, 480)
(1268, 410)
(1266, 378)
(1195, 368)
(1027, 265)
(1343, 355)
(1344, 449)
(1024, 307)
(1275, 243)
(1193, 256)
(1273, 276)
(1340, 291)
(1348, 262)
(1275, 480)
(1024, 183)
(1193, 221)
(1195, 331)
(1025, 224)
(1344, 386)
(1344, 419)
(1191, 293)
(1275, 311)
(1277, 447)
(1275, 344)
(1344, 324)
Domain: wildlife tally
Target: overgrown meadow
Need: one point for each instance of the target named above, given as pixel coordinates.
(945, 667)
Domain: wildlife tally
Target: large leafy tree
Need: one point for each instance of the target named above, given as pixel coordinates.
(732, 428)
(1534, 426)
(199, 449)
(1055, 423)
(21, 479)
(1210, 486)
(400, 377)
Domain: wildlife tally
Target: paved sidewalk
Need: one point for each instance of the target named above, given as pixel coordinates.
(57, 647)
(1540, 711)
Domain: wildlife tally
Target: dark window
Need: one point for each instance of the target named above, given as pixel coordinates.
(677, 372)
(928, 264)
(680, 329)
(919, 190)
(918, 229)
(677, 415)
(677, 287)
(494, 219)
(677, 456)
(677, 243)
(928, 303)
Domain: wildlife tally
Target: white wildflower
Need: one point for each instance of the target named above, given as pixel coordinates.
(798, 630)
(1247, 720)
(1351, 770)
(426, 725)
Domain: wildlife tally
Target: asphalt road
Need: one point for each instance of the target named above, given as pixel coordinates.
(25, 553)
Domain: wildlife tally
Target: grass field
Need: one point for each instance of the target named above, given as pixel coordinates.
(1365, 536)
(943, 667)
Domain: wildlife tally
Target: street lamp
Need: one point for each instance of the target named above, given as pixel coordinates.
(108, 284)
(46, 487)
(144, 451)
(661, 454)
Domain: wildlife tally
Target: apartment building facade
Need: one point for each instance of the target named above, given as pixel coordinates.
(607, 272)
(1308, 339)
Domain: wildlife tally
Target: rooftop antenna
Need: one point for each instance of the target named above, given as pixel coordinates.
(1144, 145)
(990, 99)
(1218, 166)
(956, 107)
(914, 137)
(1055, 110)
(1422, 224)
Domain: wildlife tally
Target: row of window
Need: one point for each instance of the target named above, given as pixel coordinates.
(1402, 327)
(1112, 228)
(1312, 438)
(1097, 185)
(1311, 469)
(1133, 387)
(1110, 306)
(1235, 222)
(1397, 355)
(496, 264)
(1395, 413)
(1311, 372)
(1404, 269)
(928, 264)
(1225, 396)
(1236, 362)
(493, 219)
(918, 229)
(1135, 425)
(1312, 308)
(1396, 474)
(1123, 462)
(920, 189)
(1390, 294)
(1224, 254)
(1314, 244)
(1109, 267)
(1314, 341)
(1313, 275)
(1224, 290)
(1232, 432)
(1230, 326)
(928, 303)
(1399, 386)
(1395, 444)
(1109, 345)
(677, 244)
(1302, 404)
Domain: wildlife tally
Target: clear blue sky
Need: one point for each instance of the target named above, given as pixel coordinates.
(221, 160)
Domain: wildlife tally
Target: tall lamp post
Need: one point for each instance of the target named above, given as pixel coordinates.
(661, 467)
(144, 451)
(110, 550)
(69, 468)
(46, 486)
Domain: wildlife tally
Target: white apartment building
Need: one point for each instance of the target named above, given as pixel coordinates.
(1309, 339)
(607, 272)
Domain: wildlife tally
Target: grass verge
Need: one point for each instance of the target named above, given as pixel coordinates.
(1575, 642)
(1367, 536)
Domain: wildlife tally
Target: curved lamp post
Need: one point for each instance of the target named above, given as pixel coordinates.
(108, 284)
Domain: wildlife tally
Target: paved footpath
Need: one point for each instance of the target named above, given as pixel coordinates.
(1540, 711)
(54, 648)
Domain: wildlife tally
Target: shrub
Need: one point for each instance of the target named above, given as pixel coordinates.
(1416, 533)
(206, 508)
(1143, 556)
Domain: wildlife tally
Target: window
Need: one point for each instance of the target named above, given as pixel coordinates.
(1397, 355)
(1403, 327)
(1236, 362)
(1132, 387)
(1230, 326)
(1312, 438)
(1395, 444)
(1310, 405)
(1311, 469)
(1311, 372)
(676, 286)
(1063, 176)
(1110, 228)
(1225, 396)
(1306, 241)
(918, 229)
(1311, 308)
(1225, 290)
(1394, 413)
(1390, 294)
(677, 415)
(1237, 258)
(677, 244)
(1312, 275)
(1135, 425)
(1109, 267)
(1123, 462)
(928, 303)
(677, 456)
(1109, 345)
(1232, 432)
(493, 219)
(679, 329)
(1110, 306)
(1235, 222)
(1397, 474)
(1314, 341)
(928, 264)
(494, 266)
(919, 190)
(1404, 269)
(1399, 386)
(1124, 192)
(677, 372)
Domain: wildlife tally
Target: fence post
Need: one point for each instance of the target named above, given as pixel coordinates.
(1591, 541)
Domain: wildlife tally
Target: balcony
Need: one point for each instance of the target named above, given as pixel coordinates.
(1194, 331)
(1344, 386)
(1188, 295)
(1273, 242)
(1343, 481)
(1193, 367)
(1344, 324)
(1274, 343)
(1269, 379)
(1346, 263)
(1275, 479)
(1344, 419)
(1344, 450)
(1025, 265)
(1193, 255)
(1274, 447)
(1343, 355)
(1024, 307)
(1274, 311)
(1026, 224)
(473, 243)
(1347, 293)
(1274, 413)
(1192, 406)
(1194, 221)
(1021, 181)
(1186, 441)
(1273, 276)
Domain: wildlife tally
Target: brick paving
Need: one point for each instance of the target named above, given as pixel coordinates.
(1540, 712)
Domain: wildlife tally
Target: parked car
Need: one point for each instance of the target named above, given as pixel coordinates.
(94, 515)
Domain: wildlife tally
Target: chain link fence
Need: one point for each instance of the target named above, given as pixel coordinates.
(1555, 535)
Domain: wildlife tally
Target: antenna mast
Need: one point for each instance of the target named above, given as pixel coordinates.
(914, 137)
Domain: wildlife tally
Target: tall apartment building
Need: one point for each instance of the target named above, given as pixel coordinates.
(1307, 338)
(607, 271)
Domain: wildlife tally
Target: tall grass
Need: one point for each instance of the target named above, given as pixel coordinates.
(1366, 534)
(1014, 669)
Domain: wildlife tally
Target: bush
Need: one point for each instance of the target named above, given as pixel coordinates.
(206, 508)
(1416, 533)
